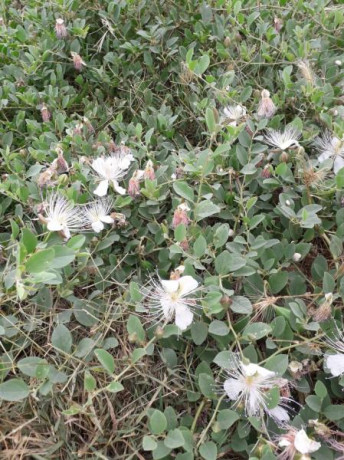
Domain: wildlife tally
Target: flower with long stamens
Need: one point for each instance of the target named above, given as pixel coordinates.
(283, 139)
(330, 146)
(110, 170)
(248, 384)
(296, 442)
(234, 113)
(97, 214)
(335, 362)
(169, 300)
(62, 216)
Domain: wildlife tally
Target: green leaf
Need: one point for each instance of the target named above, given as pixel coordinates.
(157, 422)
(105, 359)
(320, 389)
(90, 383)
(340, 178)
(334, 412)
(226, 418)
(227, 262)
(184, 190)
(199, 332)
(14, 390)
(200, 246)
(202, 65)
(278, 364)
(217, 327)
(63, 256)
(314, 402)
(205, 209)
(221, 235)
(174, 439)
(40, 261)
(34, 367)
(256, 331)
(210, 120)
(278, 281)
(135, 293)
(241, 305)
(115, 387)
(224, 359)
(272, 398)
(206, 384)
(61, 338)
(135, 328)
(208, 451)
(149, 444)
(29, 240)
(137, 354)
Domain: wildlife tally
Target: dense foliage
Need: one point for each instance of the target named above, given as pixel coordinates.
(99, 356)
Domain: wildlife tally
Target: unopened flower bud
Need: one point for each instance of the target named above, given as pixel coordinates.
(63, 179)
(278, 24)
(284, 157)
(134, 184)
(227, 42)
(60, 28)
(338, 62)
(159, 332)
(297, 257)
(266, 172)
(231, 233)
(77, 61)
(185, 245)
(180, 215)
(287, 202)
(225, 302)
(149, 171)
(266, 108)
(46, 115)
(133, 337)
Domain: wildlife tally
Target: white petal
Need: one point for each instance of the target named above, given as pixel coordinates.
(284, 443)
(170, 286)
(304, 445)
(279, 414)
(251, 369)
(184, 317)
(338, 164)
(97, 226)
(66, 233)
(233, 388)
(335, 364)
(54, 226)
(107, 219)
(118, 188)
(102, 188)
(187, 284)
(99, 165)
(324, 156)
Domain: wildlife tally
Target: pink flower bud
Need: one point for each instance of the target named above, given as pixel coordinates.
(134, 184)
(60, 28)
(149, 171)
(180, 215)
(46, 115)
(266, 107)
(77, 61)
(278, 24)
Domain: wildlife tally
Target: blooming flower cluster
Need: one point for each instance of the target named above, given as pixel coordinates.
(61, 215)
